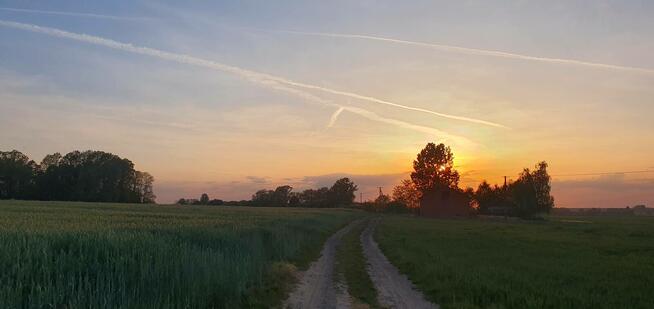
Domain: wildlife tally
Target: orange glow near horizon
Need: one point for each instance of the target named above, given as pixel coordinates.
(229, 113)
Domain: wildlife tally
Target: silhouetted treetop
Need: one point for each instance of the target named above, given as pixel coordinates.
(341, 193)
(92, 176)
(434, 168)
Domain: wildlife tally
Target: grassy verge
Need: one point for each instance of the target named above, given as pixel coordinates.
(581, 263)
(87, 255)
(351, 264)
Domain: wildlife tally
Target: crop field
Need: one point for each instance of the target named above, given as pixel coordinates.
(85, 255)
(588, 262)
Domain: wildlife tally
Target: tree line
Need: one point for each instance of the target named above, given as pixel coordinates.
(340, 194)
(433, 170)
(204, 200)
(89, 176)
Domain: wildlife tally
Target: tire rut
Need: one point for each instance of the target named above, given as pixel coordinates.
(394, 290)
(317, 287)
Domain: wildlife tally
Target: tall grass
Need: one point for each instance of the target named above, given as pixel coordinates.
(589, 262)
(81, 255)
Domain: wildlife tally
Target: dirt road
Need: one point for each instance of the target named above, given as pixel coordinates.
(394, 290)
(317, 288)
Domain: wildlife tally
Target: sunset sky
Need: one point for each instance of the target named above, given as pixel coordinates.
(230, 97)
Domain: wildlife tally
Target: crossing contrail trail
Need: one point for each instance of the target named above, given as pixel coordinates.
(403, 124)
(73, 14)
(476, 51)
(253, 76)
(371, 115)
(334, 117)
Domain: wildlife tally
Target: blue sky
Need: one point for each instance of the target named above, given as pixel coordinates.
(198, 129)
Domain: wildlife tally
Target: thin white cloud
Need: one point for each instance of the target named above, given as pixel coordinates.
(76, 14)
(256, 77)
(428, 130)
(334, 117)
(476, 51)
(372, 116)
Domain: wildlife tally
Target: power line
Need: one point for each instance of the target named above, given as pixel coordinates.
(603, 173)
(571, 175)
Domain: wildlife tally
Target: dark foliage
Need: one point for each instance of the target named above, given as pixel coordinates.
(434, 169)
(17, 175)
(340, 194)
(526, 197)
(90, 176)
(204, 200)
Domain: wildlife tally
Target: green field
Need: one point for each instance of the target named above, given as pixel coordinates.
(589, 262)
(84, 255)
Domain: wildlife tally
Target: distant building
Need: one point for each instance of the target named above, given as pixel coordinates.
(445, 203)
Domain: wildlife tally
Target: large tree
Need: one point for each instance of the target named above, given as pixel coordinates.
(143, 187)
(16, 175)
(434, 169)
(204, 199)
(280, 197)
(342, 192)
(543, 187)
(531, 192)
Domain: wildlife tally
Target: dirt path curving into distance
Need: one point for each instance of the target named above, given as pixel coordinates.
(317, 287)
(394, 290)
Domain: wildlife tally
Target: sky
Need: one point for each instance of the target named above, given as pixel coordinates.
(228, 97)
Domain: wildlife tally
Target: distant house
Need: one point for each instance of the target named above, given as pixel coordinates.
(445, 203)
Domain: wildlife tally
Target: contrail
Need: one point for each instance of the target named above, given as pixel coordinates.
(253, 76)
(334, 117)
(373, 116)
(369, 115)
(475, 51)
(73, 14)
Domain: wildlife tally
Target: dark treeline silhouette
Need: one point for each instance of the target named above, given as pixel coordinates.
(341, 194)
(204, 200)
(89, 176)
(525, 197)
(434, 171)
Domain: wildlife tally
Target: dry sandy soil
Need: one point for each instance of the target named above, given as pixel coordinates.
(318, 289)
(394, 290)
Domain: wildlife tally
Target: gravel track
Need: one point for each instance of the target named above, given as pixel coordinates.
(317, 287)
(394, 290)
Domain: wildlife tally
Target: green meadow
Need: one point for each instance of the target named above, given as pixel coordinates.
(86, 255)
(587, 262)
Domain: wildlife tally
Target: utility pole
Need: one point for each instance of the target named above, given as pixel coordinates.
(361, 197)
(505, 181)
